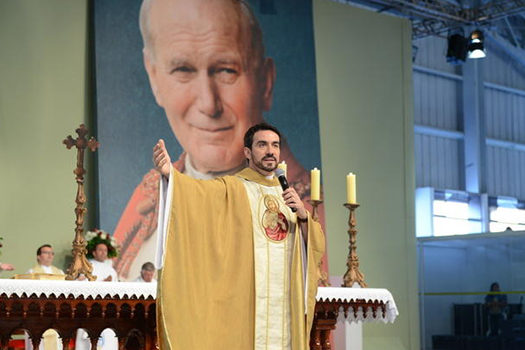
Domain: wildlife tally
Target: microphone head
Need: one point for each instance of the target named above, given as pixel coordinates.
(279, 172)
(282, 180)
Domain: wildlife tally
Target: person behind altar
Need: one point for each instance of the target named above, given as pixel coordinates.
(102, 266)
(44, 258)
(147, 273)
(102, 248)
(235, 251)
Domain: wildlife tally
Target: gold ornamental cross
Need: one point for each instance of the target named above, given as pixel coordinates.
(80, 264)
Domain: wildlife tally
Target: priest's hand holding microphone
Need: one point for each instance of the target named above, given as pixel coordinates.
(290, 196)
(292, 199)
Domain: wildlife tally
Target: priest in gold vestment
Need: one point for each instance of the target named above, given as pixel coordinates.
(239, 267)
(44, 258)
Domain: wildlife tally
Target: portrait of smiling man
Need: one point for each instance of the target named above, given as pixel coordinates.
(211, 79)
(208, 71)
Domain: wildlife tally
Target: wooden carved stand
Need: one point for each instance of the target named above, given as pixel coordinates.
(353, 275)
(80, 264)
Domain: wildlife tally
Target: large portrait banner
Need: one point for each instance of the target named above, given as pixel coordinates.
(198, 74)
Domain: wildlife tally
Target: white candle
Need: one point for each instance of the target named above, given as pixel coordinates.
(315, 184)
(350, 189)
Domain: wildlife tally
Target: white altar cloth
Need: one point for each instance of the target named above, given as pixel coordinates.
(85, 289)
(341, 294)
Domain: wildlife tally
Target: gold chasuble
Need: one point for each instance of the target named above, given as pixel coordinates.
(235, 267)
(38, 269)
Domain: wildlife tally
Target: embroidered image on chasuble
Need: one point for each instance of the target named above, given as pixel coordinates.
(236, 272)
(274, 222)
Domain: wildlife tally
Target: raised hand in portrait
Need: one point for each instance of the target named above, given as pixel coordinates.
(161, 158)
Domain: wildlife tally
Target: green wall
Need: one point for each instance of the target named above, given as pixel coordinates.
(365, 109)
(364, 87)
(42, 100)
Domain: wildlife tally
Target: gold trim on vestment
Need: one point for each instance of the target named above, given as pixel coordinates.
(251, 175)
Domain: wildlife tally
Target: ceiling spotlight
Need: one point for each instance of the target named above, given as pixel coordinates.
(476, 48)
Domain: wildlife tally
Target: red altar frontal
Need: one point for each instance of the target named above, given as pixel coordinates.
(128, 309)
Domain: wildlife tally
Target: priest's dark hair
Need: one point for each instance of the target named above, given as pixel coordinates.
(248, 136)
(39, 250)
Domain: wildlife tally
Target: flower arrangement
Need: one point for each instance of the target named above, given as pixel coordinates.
(97, 236)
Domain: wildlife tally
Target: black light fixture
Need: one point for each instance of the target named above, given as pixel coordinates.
(457, 48)
(476, 49)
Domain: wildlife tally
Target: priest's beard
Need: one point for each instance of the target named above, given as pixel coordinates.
(259, 163)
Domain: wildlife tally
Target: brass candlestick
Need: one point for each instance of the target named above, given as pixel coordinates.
(315, 203)
(80, 264)
(321, 273)
(353, 274)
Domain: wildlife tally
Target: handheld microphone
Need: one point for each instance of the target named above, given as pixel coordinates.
(282, 180)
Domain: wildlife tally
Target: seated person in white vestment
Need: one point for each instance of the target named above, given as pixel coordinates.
(102, 266)
(44, 258)
(147, 273)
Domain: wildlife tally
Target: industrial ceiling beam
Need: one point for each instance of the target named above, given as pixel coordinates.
(436, 17)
